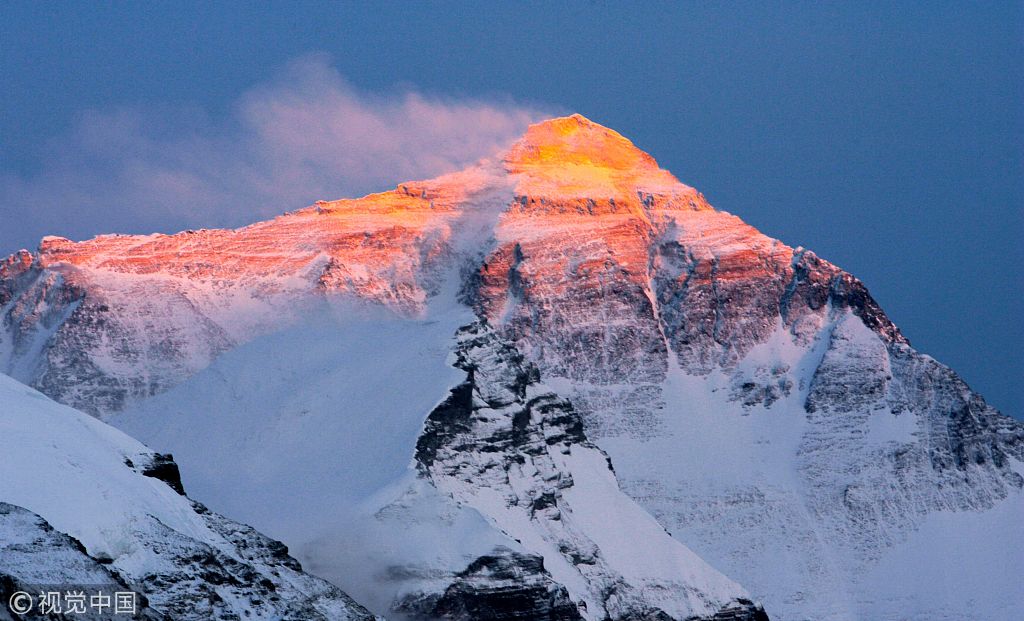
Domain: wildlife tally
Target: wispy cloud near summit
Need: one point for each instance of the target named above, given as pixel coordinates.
(304, 135)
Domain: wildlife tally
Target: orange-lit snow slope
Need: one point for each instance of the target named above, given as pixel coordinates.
(572, 219)
(565, 171)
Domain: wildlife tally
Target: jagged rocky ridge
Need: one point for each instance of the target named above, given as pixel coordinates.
(506, 445)
(753, 397)
(81, 504)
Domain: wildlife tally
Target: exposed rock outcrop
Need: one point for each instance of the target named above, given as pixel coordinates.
(506, 445)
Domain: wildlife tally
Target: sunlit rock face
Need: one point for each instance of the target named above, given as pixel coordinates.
(104, 322)
(752, 396)
(573, 219)
(602, 246)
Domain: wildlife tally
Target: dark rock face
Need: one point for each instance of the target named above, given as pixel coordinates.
(444, 423)
(505, 586)
(199, 581)
(502, 433)
(162, 467)
(35, 558)
(495, 414)
(741, 610)
(541, 420)
(191, 583)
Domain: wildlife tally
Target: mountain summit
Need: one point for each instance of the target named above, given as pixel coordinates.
(577, 156)
(567, 341)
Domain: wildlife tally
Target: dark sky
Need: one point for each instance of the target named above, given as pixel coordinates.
(888, 138)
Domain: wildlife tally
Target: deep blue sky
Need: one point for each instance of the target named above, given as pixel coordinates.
(886, 137)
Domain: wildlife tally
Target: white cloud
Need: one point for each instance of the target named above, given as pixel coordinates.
(305, 135)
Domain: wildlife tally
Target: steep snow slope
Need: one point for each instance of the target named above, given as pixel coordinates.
(316, 417)
(754, 398)
(823, 518)
(298, 433)
(93, 483)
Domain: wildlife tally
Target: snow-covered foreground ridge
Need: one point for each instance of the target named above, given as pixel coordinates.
(752, 397)
(83, 506)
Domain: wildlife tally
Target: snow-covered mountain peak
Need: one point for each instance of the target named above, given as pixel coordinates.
(573, 157)
(577, 141)
(753, 397)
